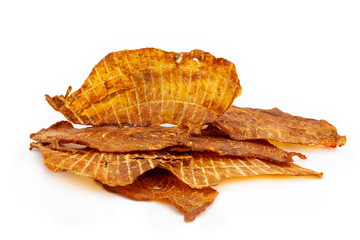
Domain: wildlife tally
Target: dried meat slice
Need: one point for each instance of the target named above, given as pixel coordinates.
(149, 87)
(198, 170)
(112, 169)
(207, 169)
(276, 125)
(223, 146)
(112, 138)
(130, 139)
(159, 184)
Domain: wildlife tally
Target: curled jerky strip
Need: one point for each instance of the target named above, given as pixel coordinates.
(276, 125)
(149, 87)
(159, 184)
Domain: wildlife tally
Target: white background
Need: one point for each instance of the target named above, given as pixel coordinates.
(300, 56)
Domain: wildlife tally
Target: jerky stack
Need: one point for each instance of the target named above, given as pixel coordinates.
(130, 94)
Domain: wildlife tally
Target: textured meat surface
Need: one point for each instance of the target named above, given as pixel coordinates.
(109, 168)
(128, 139)
(248, 148)
(149, 87)
(276, 125)
(159, 184)
(198, 170)
(113, 138)
(207, 169)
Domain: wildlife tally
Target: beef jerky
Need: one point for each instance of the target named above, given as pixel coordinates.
(207, 169)
(159, 184)
(130, 139)
(112, 138)
(149, 87)
(276, 125)
(261, 149)
(198, 170)
(112, 169)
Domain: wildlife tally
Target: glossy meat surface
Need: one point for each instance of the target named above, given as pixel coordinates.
(149, 87)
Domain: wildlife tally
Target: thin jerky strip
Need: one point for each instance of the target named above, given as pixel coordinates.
(159, 184)
(207, 169)
(198, 170)
(113, 138)
(130, 139)
(276, 125)
(261, 149)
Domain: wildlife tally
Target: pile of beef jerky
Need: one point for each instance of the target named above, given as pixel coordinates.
(131, 94)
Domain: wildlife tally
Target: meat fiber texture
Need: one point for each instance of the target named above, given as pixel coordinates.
(149, 87)
(126, 98)
(159, 184)
(198, 170)
(276, 125)
(133, 139)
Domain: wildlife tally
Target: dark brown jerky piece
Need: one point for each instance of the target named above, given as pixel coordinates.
(159, 184)
(130, 139)
(276, 125)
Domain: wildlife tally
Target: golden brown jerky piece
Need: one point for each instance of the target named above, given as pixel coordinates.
(112, 169)
(276, 125)
(198, 170)
(149, 87)
(128, 139)
(159, 184)
(207, 169)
